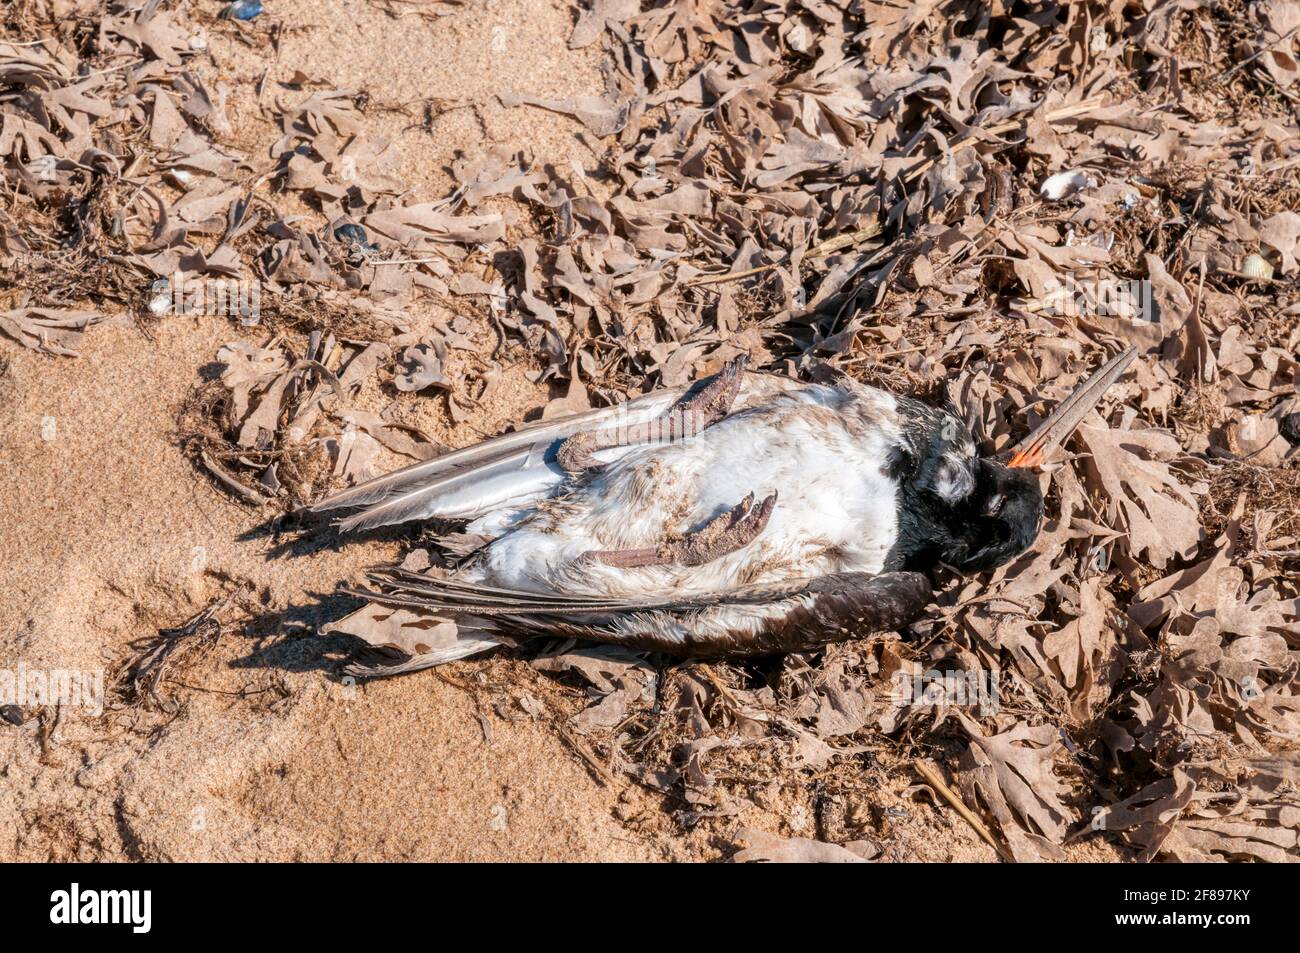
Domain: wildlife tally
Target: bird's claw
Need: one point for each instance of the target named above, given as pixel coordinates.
(723, 534)
(712, 403)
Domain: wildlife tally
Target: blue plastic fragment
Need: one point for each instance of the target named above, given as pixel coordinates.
(243, 10)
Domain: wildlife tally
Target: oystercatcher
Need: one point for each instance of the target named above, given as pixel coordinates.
(748, 515)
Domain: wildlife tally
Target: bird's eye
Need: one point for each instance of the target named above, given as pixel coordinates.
(994, 505)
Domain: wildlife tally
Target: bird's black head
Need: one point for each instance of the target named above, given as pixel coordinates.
(998, 521)
(985, 518)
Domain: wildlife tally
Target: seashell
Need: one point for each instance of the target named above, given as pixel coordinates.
(1062, 185)
(161, 302)
(1257, 266)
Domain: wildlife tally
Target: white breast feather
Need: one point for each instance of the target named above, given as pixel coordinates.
(835, 510)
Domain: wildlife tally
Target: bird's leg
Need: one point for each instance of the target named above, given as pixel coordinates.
(704, 409)
(721, 535)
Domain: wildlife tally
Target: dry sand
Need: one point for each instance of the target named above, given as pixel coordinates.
(110, 534)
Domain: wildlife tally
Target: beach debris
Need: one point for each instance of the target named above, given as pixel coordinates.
(243, 10)
(355, 237)
(142, 678)
(1063, 185)
(761, 847)
(1281, 232)
(52, 330)
(937, 784)
(1257, 266)
(421, 367)
(160, 296)
(828, 201)
(280, 423)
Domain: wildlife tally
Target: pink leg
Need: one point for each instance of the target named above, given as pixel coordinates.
(706, 408)
(724, 534)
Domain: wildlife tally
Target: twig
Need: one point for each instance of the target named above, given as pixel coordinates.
(143, 677)
(583, 750)
(932, 778)
(1280, 164)
(1055, 115)
(729, 276)
(878, 358)
(247, 494)
(48, 726)
(1224, 74)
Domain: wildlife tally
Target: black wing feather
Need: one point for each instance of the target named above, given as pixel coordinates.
(803, 615)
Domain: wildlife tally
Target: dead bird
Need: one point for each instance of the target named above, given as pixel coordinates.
(748, 515)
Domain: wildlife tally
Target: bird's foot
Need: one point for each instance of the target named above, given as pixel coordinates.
(723, 534)
(704, 409)
(713, 401)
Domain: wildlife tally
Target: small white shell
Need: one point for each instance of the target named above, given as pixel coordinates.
(161, 302)
(1064, 184)
(1257, 266)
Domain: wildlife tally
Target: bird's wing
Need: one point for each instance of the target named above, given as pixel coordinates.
(796, 616)
(509, 469)
(402, 587)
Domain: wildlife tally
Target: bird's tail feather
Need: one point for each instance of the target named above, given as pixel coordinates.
(403, 641)
(379, 664)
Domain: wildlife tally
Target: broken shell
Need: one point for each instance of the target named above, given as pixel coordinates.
(161, 302)
(1257, 266)
(355, 236)
(1064, 184)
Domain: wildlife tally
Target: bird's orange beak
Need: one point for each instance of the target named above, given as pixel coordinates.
(1056, 429)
